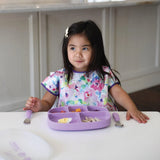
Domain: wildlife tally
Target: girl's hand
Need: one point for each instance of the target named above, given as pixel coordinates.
(137, 115)
(33, 103)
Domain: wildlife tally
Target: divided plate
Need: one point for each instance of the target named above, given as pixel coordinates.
(100, 113)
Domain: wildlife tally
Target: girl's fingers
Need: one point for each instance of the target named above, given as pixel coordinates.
(33, 103)
(26, 108)
(128, 116)
(33, 99)
(138, 119)
(29, 103)
(138, 116)
(144, 118)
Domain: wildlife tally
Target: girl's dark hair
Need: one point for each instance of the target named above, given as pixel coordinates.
(93, 34)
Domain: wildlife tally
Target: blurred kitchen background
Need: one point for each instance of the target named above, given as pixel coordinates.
(31, 33)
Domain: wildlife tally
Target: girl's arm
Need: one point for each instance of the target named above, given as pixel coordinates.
(47, 101)
(122, 98)
(35, 104)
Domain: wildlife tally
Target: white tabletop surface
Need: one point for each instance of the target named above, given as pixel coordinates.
(132, 142)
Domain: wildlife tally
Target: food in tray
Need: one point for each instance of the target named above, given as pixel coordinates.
(65, 120)
(90, 119)
(62, 111)
(77, 110)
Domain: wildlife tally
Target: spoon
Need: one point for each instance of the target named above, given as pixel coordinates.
(28, 117)
(117, 120)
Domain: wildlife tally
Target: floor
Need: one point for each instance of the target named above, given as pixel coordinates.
(147, 99)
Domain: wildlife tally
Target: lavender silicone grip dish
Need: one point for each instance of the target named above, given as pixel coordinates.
(77, 118)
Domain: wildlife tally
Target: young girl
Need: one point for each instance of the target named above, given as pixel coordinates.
(87, 78)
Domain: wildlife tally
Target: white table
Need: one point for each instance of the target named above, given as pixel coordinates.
(132, 142)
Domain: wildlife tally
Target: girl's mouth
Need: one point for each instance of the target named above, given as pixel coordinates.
(79, 61)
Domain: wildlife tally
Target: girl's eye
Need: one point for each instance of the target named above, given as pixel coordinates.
(85, 49)
(72, 48)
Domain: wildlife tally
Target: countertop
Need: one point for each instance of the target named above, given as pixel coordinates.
(54, 5)
(134, 141)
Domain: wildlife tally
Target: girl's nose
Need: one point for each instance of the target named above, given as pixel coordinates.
(78, 53)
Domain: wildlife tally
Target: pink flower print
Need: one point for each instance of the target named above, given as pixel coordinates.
(53, 89)
(60, 72)
(71, 86)
(87, 94)
(97, 85)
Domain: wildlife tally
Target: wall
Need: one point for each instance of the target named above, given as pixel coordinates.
(31, 48)
(18, 59)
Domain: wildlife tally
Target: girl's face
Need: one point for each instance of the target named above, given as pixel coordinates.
(79, 52)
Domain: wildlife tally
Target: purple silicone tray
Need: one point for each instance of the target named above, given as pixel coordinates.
(77, 118)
